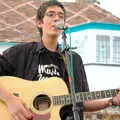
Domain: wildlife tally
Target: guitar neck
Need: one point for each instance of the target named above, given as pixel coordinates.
(82, 96)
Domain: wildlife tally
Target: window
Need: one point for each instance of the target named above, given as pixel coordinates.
(107, 49)
(102, 49)
(116, 49)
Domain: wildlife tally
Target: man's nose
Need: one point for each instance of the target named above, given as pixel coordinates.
(57, 17)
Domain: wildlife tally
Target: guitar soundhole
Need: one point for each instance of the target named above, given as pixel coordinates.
(42, 102)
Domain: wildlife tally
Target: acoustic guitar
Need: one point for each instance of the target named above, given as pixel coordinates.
(45, 96)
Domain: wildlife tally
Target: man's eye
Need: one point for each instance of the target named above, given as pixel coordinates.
(51, 14)
(61, 16)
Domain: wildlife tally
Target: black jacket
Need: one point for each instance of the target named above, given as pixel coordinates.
(22, 61)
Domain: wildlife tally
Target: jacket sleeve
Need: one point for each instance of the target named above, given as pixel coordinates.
(8, 60)
(81, 83)
(4, 66)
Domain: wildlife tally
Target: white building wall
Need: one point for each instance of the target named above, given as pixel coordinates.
(85, 41)
(90, 47)
(99, 77)
(103, 77)
(80, 40)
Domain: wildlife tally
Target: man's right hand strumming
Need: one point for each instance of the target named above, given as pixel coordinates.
(18, 109)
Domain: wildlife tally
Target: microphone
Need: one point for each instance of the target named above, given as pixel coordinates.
(60, 25)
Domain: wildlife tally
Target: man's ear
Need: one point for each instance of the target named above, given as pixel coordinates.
(39, 23)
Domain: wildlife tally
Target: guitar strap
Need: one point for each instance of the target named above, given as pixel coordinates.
(65, 61)
(79, 105)
(66, 112)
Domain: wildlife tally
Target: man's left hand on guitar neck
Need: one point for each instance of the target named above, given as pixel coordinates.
(115, 100)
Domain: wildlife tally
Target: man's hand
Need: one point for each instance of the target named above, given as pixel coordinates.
(18, 110)
(116, 99)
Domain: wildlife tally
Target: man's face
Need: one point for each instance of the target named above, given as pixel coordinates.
(52, 15)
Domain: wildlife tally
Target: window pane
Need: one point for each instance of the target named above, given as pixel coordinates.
(116, 49)
(102, 49)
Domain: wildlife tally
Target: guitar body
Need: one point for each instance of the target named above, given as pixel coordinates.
(30, 91)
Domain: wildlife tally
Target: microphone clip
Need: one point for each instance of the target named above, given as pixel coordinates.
(69, 48)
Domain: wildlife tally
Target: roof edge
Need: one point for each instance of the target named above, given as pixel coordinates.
(94, 25)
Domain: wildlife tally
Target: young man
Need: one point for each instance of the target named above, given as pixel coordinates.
(36, 61)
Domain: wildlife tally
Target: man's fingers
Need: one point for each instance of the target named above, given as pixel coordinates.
(116, 100)
(21, 117)
(15, 117)
(27, 113)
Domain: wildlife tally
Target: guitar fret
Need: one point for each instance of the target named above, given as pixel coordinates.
(78, 97)
(85, 97)
(108, 93)
(103, 95)
(68, 99)
(61, 100)
(89, 97)
(58, 100)
(93, 95)
(81, 96)
(98, 95)
(55, 100)
(113, 92)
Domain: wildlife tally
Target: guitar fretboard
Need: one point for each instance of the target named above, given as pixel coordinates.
(66, 99)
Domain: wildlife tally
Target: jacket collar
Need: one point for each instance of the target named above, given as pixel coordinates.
(41, 48)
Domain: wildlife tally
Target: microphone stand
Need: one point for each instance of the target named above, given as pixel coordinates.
(75, 109)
